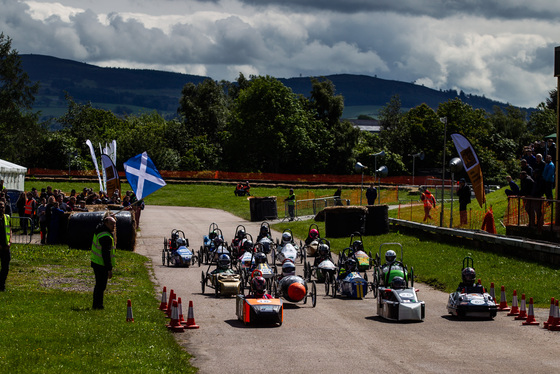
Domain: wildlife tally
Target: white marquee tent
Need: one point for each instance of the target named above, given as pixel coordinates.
(13, 175)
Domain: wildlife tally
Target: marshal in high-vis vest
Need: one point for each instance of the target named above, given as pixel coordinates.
(102, 258)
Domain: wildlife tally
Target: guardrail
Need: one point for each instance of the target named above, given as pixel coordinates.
(23, 229)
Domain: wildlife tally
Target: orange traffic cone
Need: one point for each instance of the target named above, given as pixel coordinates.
(522, 309)
(174, 324)
(180, 307)
(503, 307)
(129, 317)
(514, 307)
(531, 316)
(163, 304)
(170, 303)
(555, 326)
(190, 317)
(550, 319)
(493, 292)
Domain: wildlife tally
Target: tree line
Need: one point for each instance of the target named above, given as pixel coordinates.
(257, 124)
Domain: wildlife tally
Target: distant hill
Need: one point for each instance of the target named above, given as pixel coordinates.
(126, 91)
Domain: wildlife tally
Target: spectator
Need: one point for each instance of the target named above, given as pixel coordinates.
(42, 214)
(551, 150)
(291, 201)
(539, 166)
(54, 226)
(529, 157)
(527, 168)
(514, 188)
(28, 212)
(337, 196)
(548, 177)
(5, 242)
(464, 193)
(371, 194)
(535, 206)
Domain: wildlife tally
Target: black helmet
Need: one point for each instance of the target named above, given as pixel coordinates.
(258, 284)
(248, 245)
(358, 245)
(398, 283)
(223, 261)
(180, 242)
(241, 233)
(351, 264)
(260, 258)
(468, 275)
(288, 268)
(390, 256)
(264, 230)
(323, 250)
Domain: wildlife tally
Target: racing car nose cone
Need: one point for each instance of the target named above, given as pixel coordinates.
(296, 291)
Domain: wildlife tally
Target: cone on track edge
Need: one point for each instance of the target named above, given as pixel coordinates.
(503, 307)
(174, 324)
(522, 309)
(129, 317)
(180, 310)
(514, 306)
(190, 318)
(550, 319)
(556, 324)
(163, 304)
(493, 292)
(172, 297)
(531, 316)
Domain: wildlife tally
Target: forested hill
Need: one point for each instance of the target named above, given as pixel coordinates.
(132, 90)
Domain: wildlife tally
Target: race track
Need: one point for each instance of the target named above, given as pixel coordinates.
(339, 335)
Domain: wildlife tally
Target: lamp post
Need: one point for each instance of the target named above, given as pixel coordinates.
(455, 165)
(382, 153)
(70, 154)
(360, 167)
(444, 121)
(419, 154)
(382, 171)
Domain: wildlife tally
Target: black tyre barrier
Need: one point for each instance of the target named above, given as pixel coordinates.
(344, 221)
(377, 220)
(81, 226)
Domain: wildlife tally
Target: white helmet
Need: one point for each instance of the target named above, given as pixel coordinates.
(286, 238)
(288, 268)
(390, 256)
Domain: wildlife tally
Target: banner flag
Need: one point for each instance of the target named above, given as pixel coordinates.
(142, 175)
(94, 158)
(471, 164)
(113, 181)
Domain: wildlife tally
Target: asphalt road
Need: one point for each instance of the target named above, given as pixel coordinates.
(339, 335)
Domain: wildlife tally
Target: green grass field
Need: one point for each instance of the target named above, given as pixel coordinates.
(48, 326)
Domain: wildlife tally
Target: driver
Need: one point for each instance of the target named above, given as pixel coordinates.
(358, 246)
(286, 238)
(323, 253)
(288, 268)
(468, 283)
(349, 267)
(391, 266)
(236, 242)
(224, 262)
(258, 288)
(313, 235)
(263, 233)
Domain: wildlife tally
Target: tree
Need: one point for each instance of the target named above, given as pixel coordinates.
(18, 124)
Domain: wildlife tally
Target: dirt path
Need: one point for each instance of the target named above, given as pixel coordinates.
(338, 335)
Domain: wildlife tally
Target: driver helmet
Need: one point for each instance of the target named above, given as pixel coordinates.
(264, 231)
(218, 241)
(241, 233)
(181, 242)
(358, 246)
(260, 258)
(213, 235)
(468, 275)
(390, 256)
(398, 283)
(314, 233)
(258, 284)
(223, 261)
(350, 265)
(288, 268)
(323, 250)
(248, 245)
(286, 238)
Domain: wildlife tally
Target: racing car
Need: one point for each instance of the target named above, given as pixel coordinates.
(237, 241)
(312, 241)
(210, 242)
(349, 282)
(393, 285)
(288, 249)
(176, 252)
(356, 250)
(265, 239)
(323, 268)
(471, 299)
(258, 306)
(223, 279)
(292, 287)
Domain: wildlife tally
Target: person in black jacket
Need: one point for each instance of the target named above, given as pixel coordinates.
(464, 193)
(102, 258)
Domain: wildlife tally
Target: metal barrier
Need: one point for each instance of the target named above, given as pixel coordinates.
(23, 229)
(313, 206)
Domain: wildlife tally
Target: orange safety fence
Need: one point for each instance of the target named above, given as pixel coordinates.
(519, 210)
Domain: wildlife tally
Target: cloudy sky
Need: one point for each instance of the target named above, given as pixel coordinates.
(503, 49)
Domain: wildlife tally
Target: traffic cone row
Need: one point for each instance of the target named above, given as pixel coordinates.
(530, 321)
(503, 307)
(514, 306)
(174, 310)
(523, 309)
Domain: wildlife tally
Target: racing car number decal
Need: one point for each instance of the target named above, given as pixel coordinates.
(264, 301)
(406, 295)
(477, 301)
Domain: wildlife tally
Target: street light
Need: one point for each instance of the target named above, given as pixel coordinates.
(421, 156)
(382, 171)
(382, 153)
(455, 165)
(360, 167)
(444, 121)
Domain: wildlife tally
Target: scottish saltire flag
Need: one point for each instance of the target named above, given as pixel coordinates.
(142, 175)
